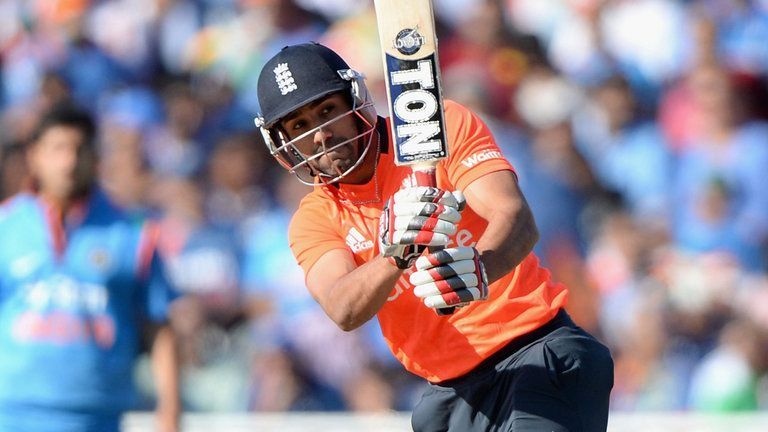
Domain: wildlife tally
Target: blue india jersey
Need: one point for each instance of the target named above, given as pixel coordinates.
(73, 300)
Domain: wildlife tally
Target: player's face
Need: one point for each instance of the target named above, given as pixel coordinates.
(336, 125)
(61, 163)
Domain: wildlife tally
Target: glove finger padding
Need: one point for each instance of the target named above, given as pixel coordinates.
(453, 199)
(445, 256)
(421, 238)
(458, 298)
(417, 223)
(413, 228)
(450, 277)
(443, 273)
(444, 286)
(422, 231)
(408, 210)
(418, 217)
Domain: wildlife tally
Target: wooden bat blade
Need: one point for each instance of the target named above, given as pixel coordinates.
(415, 101)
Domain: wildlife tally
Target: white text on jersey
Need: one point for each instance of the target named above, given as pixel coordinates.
(482, 157)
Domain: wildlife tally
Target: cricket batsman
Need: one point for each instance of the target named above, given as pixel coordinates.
(509, 358)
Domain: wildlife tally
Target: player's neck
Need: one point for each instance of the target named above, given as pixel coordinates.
(63, 204)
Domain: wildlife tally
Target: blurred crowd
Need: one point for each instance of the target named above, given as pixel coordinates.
(638, 129)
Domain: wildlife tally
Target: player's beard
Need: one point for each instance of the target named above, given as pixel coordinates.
(338, 160)
(343, 158)
(345, 161)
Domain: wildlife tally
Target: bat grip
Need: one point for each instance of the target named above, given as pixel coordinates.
(426, 176)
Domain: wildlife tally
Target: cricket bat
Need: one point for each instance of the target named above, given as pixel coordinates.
(409, 50)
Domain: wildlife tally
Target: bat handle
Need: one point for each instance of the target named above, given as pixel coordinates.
(425, 175)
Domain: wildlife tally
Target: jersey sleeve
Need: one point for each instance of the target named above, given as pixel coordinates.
(473, 150)
(311, 233)
(156, 290)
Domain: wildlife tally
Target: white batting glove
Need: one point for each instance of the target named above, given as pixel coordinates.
(450, 277)
(414, 218)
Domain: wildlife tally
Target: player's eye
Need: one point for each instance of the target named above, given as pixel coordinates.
(298, 125)
(328, 109)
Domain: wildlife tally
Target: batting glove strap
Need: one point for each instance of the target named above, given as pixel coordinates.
(450, 277)
(403, 257)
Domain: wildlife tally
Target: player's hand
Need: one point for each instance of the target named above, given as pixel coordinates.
(414, 218)
(450, 277)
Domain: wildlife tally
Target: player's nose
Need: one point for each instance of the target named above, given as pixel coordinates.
(321, 136)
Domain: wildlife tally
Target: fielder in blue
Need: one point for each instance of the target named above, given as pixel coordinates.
(80, 286)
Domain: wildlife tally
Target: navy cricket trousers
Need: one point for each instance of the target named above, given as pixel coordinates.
(557, 378)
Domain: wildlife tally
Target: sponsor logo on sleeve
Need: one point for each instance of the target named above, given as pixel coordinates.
(482, 156)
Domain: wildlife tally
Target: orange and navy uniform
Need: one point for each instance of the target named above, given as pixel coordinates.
(438, 348)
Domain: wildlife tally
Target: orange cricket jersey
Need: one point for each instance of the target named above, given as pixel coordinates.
(432, 346)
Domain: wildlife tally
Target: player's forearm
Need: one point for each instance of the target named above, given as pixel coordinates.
(165, 368)
(357, 297)
(509, 238)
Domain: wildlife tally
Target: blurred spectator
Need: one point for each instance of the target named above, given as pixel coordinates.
(648, 59)
(90, 72)
(551, 169)
(124, 172)
(82, 286)
(721, 204)
(726, 378)
(20, 120)
(203, 262)
(356, 37)
(590, 40)
(235, 48)
(224, 115)
(578, 45)
(122, 29)
(172, 149)
(335, 9)
(617, 263)
(677, 110)
(235, 194)
(498, 56)
(627, 153)
(648, 376)
(176, 24)
(743, 26)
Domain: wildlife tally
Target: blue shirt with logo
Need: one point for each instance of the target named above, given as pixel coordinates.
(73, 300)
